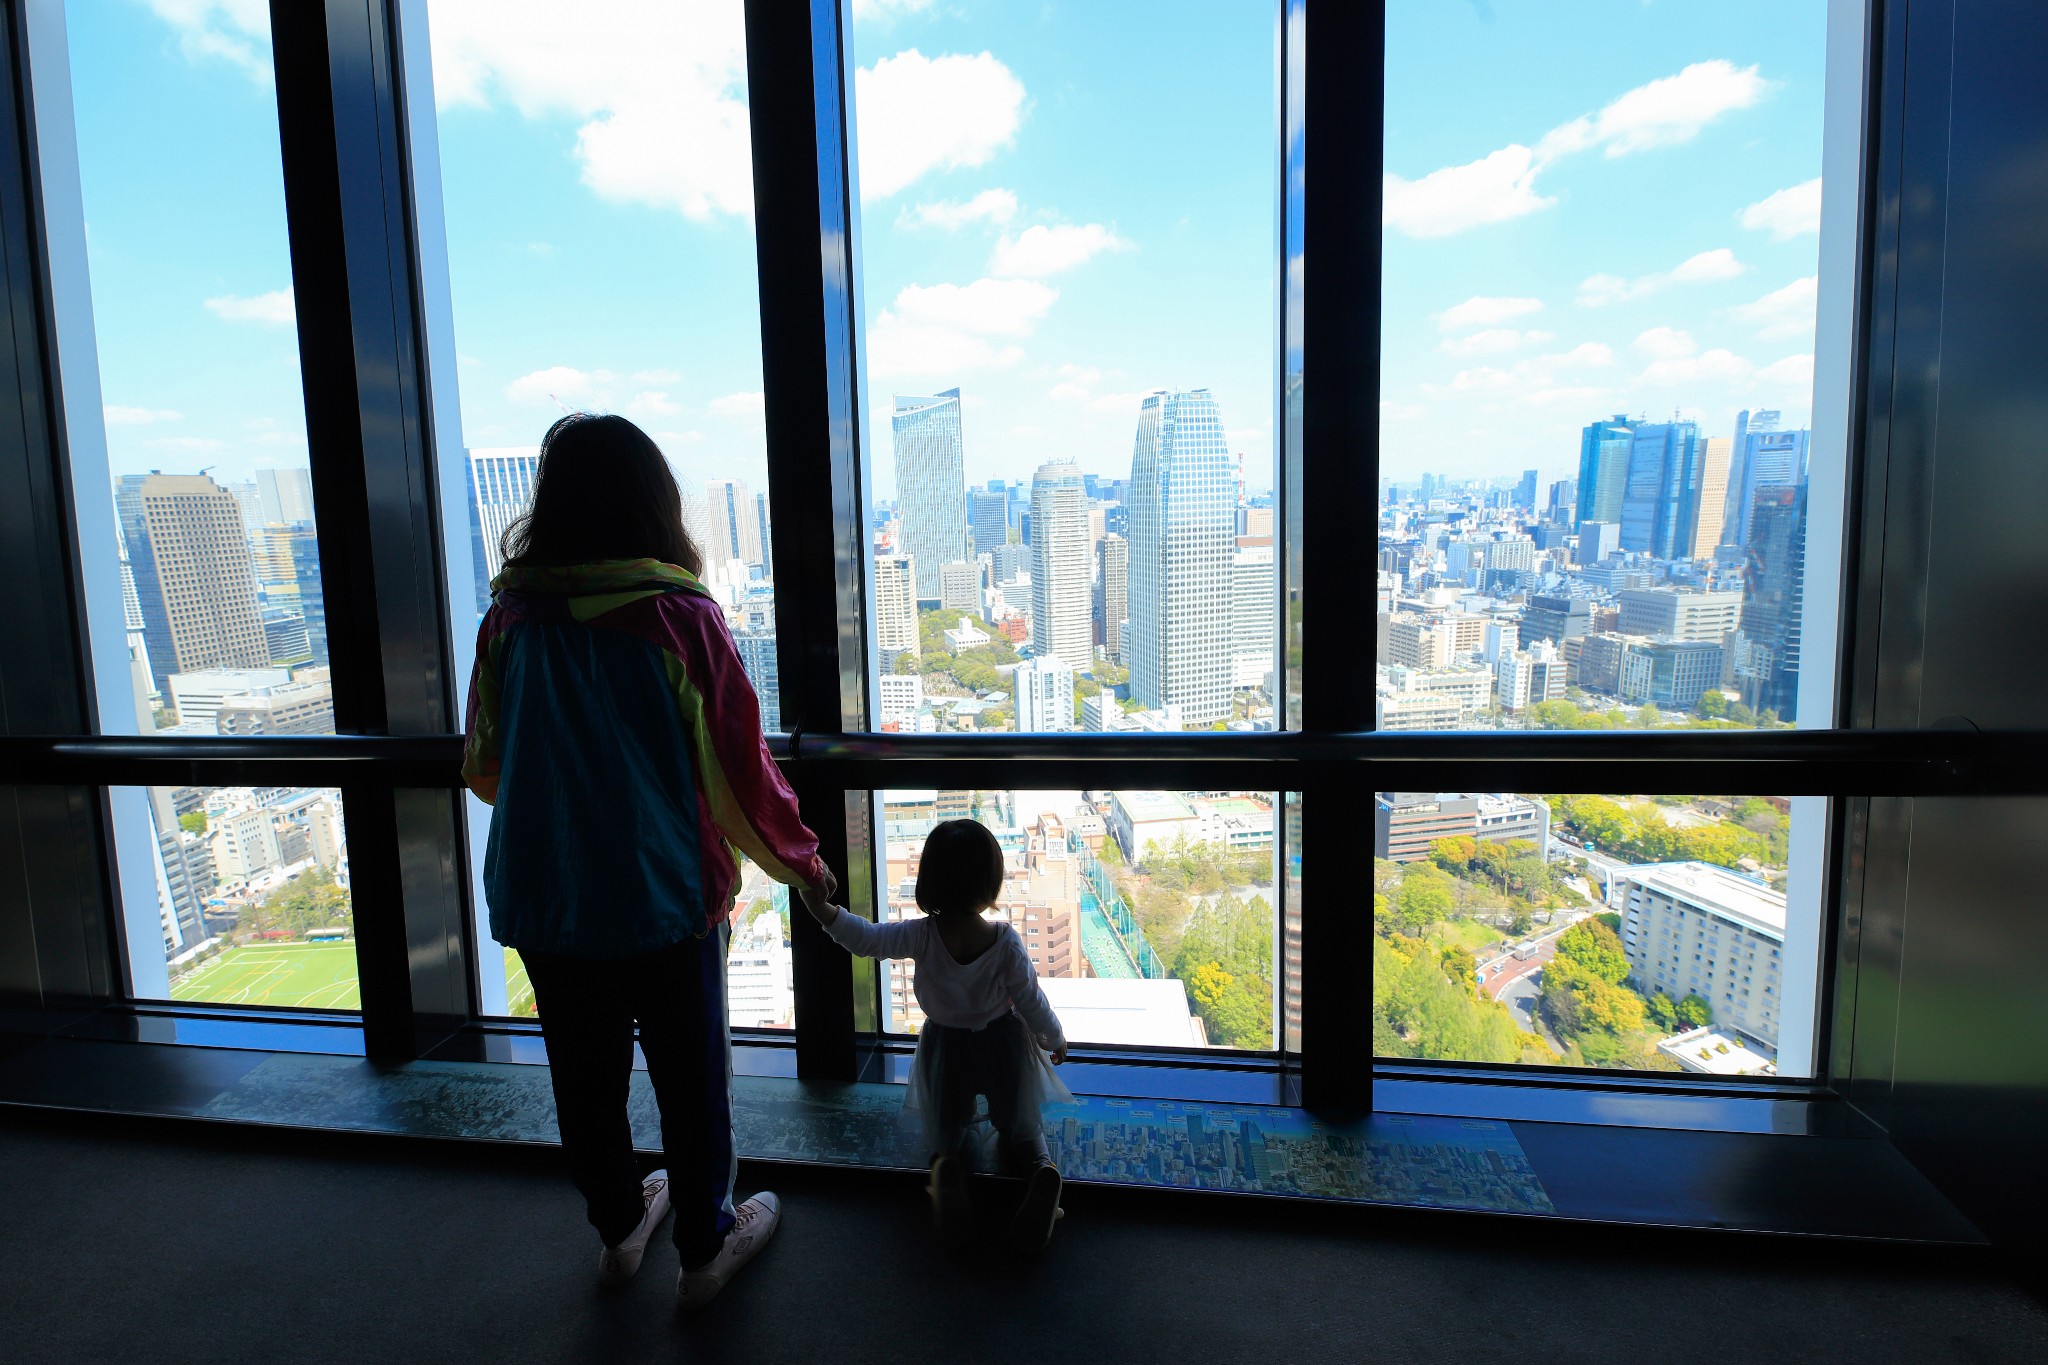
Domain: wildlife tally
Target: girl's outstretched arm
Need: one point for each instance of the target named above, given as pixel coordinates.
(863, 939)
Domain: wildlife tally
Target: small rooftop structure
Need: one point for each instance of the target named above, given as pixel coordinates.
(1133, 1012)
(1715, 1053)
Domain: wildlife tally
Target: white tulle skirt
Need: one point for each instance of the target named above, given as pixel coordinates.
(982, 1087)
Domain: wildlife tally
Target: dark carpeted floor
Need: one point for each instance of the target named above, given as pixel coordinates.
(129, 1242)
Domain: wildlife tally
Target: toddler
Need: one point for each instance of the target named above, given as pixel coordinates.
(988, 1026)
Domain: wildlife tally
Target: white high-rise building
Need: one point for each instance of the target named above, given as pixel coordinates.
(1061, 586)
(285, 494)
(1045, 695)
(931, 489)
(758, 991)
(1112, 591)
(734, 522)
(1696, 929)
(900, 695)
(1182, 530)
(1254, 616)
(500, 489)
(895, 609)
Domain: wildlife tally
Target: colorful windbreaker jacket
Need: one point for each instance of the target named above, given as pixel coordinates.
(619, 742)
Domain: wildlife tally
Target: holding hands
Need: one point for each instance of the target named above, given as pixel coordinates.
(817, 897)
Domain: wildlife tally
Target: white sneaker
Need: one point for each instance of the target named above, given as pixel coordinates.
(616, 1265)
(757, 1220)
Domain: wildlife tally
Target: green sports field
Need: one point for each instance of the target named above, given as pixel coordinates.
(518, 990)
(302, 975)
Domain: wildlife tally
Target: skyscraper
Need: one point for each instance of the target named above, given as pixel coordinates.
(1045, 695)
(931, 490)
(895, 609)
(193, 580)
(1712, 496)
(1654, 504)
(1254, 616)
(765, 529)
(285, 494)
(757, 660)
(1059, 566)
(500, 491)
(988, 516)
(1112, 591)
(1773, 590)
(735, 522)
(1182, 518)
(1603, 469)
(1525, 491)
(1773, 459)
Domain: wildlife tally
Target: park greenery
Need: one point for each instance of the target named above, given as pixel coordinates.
(193, 822)
(1218, 942)
(1581, 711)
(311, 900)
(1639, 833)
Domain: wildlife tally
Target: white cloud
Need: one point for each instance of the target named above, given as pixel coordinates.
(656, 377)
(1782, 313)
(1689, 371)
(996, 206)
(1119, 402)
(1719, 264)
(887, 9)
(272, 310)
(560, 386)
(1788, 213)
(652, 403)
(1068, 392)
(1502, 184)
(1484, 311)
(942, 328)
(1080, 374)
(739, 405)
(1663, 113)
(1548, 380)
(1794, 372)
(234, 31)
(1391, 411)
(1040, 250)
(185, 443)
(658, 88)
(1492, 341)
(121, 415)
(919, 114)
(1667, 343)
(1493, 189)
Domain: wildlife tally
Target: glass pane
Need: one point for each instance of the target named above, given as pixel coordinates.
(1600, 430)
(595, 196)
(252, 896)
(1069, 303)
(1659, 933)
(206, 548)
(1149, 915)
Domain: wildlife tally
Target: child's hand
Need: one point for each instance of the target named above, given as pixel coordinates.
(1058, 1051)
(818, 900)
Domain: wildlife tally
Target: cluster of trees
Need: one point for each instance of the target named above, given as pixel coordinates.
(1428, 1005)
(1713, 712)
(311, 900)
(1515, 867)
(1589, 1005)
(1225, 958)
(1202, 867)
(1640, 833)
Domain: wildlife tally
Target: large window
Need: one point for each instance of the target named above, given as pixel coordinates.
(1150, 916)
(596, 195)
(1068, 234)
(211, 578)
(1604, 458)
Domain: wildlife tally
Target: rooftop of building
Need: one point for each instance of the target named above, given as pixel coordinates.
(1717, 891)
(1142, 806)
(1716, 1053)
(1132, 1012)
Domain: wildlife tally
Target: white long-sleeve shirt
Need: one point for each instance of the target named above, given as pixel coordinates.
(957, 994)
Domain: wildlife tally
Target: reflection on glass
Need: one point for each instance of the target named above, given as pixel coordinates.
(1149, 915)
(1634, 932)
(1070, 303)
(595, 193)
(1598, 365)
(215, 537)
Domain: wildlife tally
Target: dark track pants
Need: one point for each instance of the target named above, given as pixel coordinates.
(587, 1011)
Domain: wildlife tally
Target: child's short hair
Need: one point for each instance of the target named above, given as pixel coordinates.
(962, 868)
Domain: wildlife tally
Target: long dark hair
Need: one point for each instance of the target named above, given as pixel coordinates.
(603, 491)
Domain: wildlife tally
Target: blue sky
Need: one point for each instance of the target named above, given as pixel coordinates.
(1065, 205)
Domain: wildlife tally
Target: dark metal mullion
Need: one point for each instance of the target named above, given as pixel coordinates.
(1343, 95)
(802, 224)
(353, 281)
